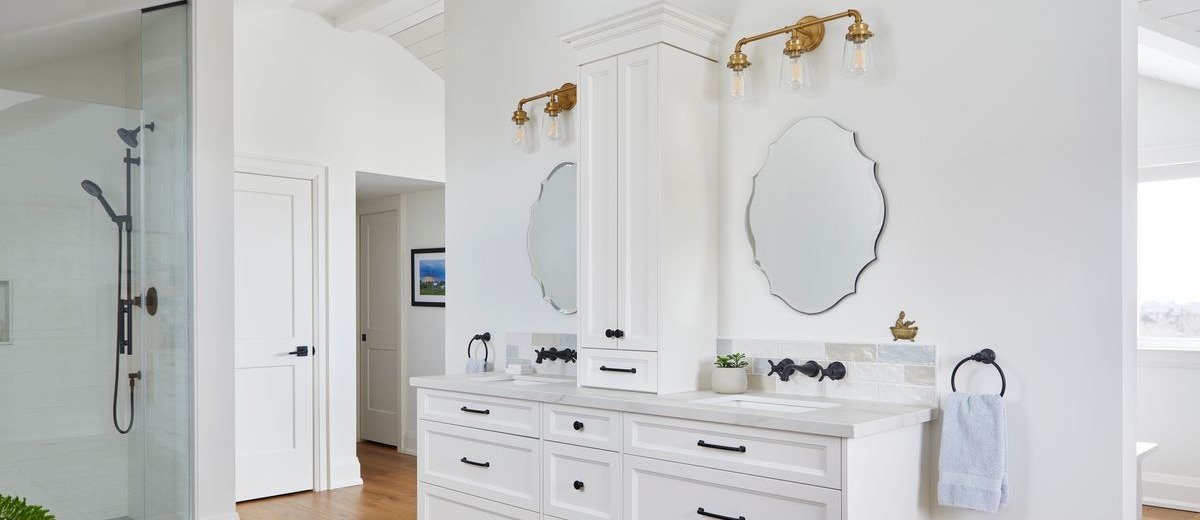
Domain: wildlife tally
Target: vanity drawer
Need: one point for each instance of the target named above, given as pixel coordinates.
(581, 483)
(434, 502)
(798, 457)
(661, 490)
(582, 426)
(619, 369)
(497, 466)
(479, 411)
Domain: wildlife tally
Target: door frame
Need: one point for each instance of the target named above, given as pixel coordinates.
(366, 207)
(318, 175)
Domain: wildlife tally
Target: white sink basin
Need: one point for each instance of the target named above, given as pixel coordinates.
(523, 380)
(771, 404)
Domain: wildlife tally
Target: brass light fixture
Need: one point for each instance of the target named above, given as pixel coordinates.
(561, 100)
(803, 37)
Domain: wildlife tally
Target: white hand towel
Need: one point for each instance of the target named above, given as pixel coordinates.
(973, 465)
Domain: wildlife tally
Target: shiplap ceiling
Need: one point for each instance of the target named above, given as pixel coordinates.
(417, 25)
(1185, 13)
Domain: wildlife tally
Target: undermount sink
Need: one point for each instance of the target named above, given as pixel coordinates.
(524, 380)
(771, 404)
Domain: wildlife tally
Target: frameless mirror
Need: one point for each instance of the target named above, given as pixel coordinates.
(551, 239)
(815, 215)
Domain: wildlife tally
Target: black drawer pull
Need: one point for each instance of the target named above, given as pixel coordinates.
(472, 410)
(625, 370)
(739, 449)
(579, 485)
(578, 426)
(473, 463)
(700, 511)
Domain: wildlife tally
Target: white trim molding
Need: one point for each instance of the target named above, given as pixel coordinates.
(656, 23)
(1181, 358)
(1171, 491)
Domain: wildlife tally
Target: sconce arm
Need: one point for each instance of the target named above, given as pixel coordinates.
(849, 13)
(567, 88)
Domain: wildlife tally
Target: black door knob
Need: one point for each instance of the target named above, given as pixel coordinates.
(578, 426)
(579, 485)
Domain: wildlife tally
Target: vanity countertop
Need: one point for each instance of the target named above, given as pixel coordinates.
(848, 419)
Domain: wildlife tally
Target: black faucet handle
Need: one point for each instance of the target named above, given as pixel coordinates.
(784, 368)
(834, 371)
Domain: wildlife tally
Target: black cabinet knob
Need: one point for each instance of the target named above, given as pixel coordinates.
(578, 426)
(579, 485)
(608, 333)
(618, 333)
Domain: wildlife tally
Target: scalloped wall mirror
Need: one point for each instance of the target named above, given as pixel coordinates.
(815, 215)
(551, 240)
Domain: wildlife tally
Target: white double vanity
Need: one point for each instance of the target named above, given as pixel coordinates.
(634, 437)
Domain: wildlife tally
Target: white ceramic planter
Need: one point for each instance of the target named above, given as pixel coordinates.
(728, 380)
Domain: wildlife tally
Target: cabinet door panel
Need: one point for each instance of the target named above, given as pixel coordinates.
(637, 199)
(598, 203)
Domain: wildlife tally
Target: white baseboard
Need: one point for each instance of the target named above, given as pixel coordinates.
(226, 516)
(345, 472)
(1171, 491)
(346, 483)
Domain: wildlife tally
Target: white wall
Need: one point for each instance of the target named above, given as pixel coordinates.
(1169, 117)
(305, 91)
(1001, 163)
(108, 76)
(424, 222)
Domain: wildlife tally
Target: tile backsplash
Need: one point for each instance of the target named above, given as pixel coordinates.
(899, 372)
(521, 346)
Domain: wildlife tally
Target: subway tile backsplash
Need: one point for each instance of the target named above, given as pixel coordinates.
(899, 372)
(521, 346)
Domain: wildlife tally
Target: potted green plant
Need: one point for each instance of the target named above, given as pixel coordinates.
(729, 375)
(13, 508)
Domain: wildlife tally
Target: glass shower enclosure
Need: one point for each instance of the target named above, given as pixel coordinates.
(95, 267)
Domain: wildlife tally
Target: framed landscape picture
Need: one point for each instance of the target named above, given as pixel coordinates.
(429, 277)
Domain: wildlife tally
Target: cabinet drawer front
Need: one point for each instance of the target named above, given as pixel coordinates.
(619, 369)
(435, 502)
(798, 457)
(497, 466)
(581, 483)
(480, 411)
(661, 490)
(582, 426)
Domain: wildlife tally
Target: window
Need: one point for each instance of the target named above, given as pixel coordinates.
(1169, 263)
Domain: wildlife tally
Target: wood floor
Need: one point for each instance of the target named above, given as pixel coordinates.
(389, 491)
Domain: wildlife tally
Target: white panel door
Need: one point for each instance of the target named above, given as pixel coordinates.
(638, 199)
(598, 204)
(273, 277)
(379, 327)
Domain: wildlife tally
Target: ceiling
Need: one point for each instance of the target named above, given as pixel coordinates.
(375, 186)
(1184, 13)
(1169, 41)
(417, 25)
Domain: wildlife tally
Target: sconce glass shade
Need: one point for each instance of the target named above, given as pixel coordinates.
(858, 59)
(738, 85)
(521, 136)
(553, 127)
(795, 73)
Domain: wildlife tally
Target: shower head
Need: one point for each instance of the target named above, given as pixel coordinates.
(129, 135)
(94, 190)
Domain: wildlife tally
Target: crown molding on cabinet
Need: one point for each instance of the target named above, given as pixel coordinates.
(656, 23)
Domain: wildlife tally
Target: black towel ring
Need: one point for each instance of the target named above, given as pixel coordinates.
(987, 357)
(485, 338)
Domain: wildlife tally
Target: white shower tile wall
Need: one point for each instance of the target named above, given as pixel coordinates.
(899, 372)
(521, 348)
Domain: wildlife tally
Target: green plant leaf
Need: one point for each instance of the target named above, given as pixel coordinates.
(13, 508)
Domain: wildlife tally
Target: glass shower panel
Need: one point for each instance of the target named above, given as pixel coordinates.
(95, 277)
(165, 266)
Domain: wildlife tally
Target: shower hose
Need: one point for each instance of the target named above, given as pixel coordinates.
(121, 335)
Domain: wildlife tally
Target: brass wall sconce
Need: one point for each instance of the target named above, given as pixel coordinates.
(561, 100)
(803, 37)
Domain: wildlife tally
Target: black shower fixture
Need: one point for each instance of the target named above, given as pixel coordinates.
(130, 135)
(94, 190)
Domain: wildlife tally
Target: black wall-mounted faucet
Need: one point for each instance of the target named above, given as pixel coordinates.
(786, 367)
(567, 355)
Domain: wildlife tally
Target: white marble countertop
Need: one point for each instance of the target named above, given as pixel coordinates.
(849, 419)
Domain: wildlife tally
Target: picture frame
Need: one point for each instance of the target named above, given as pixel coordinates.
(6, 312)
(429, 277)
